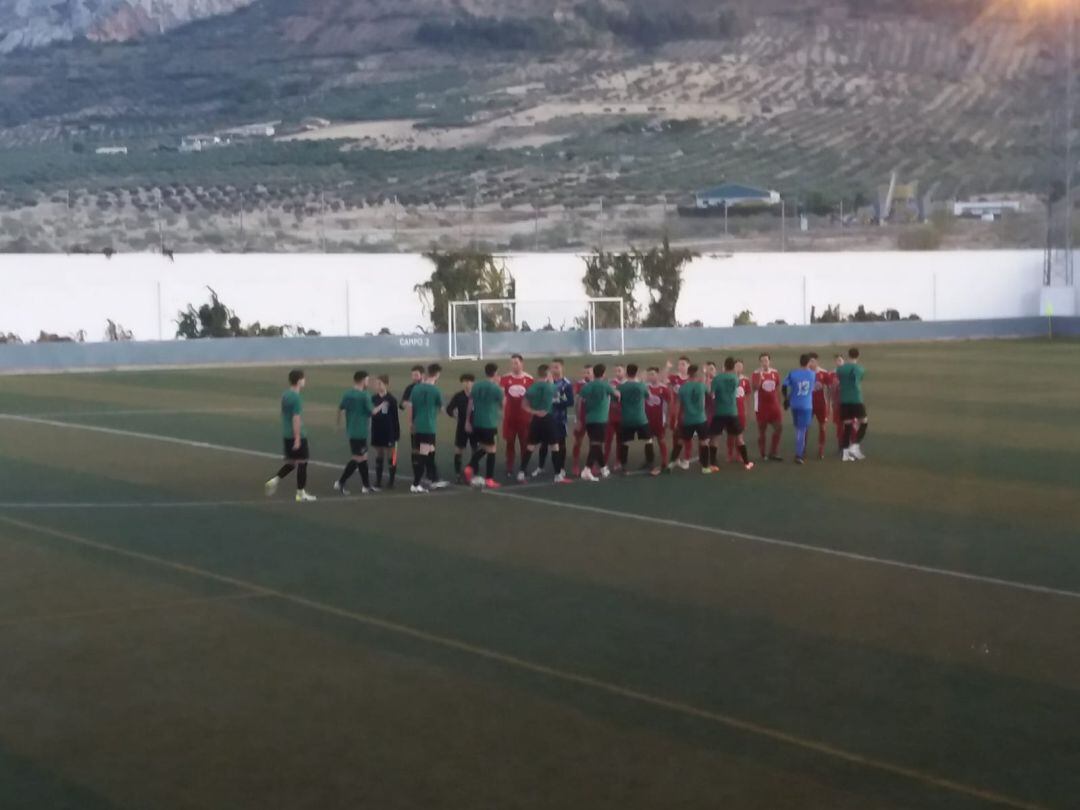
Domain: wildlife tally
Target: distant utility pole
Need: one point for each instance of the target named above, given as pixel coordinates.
(783, 225)
(160, 225)
(1070, 31)
(601, 224)
(322, 221)
(242, 245)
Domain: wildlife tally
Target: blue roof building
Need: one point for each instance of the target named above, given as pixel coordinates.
(732, 194)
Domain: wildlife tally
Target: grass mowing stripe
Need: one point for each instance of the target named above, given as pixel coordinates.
(170, 604)
(566, 676)
(772, 541)
(224, 448)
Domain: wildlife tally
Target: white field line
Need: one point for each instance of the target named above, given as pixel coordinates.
(790, 544)
(155, 437)
(167, 411)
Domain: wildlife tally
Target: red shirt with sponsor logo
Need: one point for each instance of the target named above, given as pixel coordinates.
(741, 394)
(822, 381)
(675, 382)
(514, 387)
(658, 403)
(615, 410)
(767, 392)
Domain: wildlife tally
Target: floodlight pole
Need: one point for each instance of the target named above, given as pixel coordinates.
(1069, 78)
(479, 330)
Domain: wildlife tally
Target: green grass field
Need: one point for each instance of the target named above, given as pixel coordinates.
(900, 633)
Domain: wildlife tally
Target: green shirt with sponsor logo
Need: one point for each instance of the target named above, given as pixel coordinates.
(632, 396)
(850, 376)
(692, 401)
(291, 405)
(426, 402)
(487, 398)
(725, 388)
(358, 408)
(597, 398)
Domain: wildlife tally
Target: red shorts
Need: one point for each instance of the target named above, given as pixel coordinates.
(512, 431)
(768, 417)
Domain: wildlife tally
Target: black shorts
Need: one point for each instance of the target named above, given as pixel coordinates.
(542, 430)
(485, 437)
(849, 411)
(690, 431)
(726, 424)
(297, 455)
(414, 439)
(463, 438)
(423, 438)
(629, 433)
(596, 431)
(358, 447)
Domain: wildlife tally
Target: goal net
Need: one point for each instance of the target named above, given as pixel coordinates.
(481, 328)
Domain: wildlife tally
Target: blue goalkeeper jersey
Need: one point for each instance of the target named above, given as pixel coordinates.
(800, 386)
(564, 400)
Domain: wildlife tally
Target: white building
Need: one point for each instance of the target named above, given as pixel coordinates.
(986, 210)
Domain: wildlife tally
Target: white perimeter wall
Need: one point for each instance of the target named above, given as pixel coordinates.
(361, 293)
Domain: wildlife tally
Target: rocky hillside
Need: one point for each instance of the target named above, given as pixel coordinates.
(33, 23)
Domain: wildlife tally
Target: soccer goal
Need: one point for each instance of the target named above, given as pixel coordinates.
(478, 328)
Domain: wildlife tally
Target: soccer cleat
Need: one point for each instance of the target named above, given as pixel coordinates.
(605, 472)
(521, 477)
(469, 475)
(491, 483)
(587, 475)
(847, 455)
(340, 489)
(714, 468)
(799, 460)
(535, 473)
(562, 479)
(749, 465)
(438, 485)
(856, 451)
(684, 464)
(706, 470)
(476, 482)
(776, 458)
(303, 497)
(373, 490)
(655, 471)
(416, 489)
(271, 486)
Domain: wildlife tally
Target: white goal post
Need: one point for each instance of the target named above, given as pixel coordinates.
(469, 322)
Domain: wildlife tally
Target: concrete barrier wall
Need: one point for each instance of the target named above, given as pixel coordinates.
(359, 294)
(53, 357)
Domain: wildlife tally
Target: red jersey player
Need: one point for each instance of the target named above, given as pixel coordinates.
(675, 382)
(579, 416)
(766, 385)
(834, 402)
(516, 419)
(822, 381)
(742, 393)
(657, 408)
(614, 413)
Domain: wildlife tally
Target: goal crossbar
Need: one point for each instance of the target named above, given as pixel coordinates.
(477, 305)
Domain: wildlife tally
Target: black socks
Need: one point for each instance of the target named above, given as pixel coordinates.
(350, 468)
(284, 471)
(301, 475)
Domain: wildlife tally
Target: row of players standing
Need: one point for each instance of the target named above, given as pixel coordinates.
(687, 401)
(691, 402)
